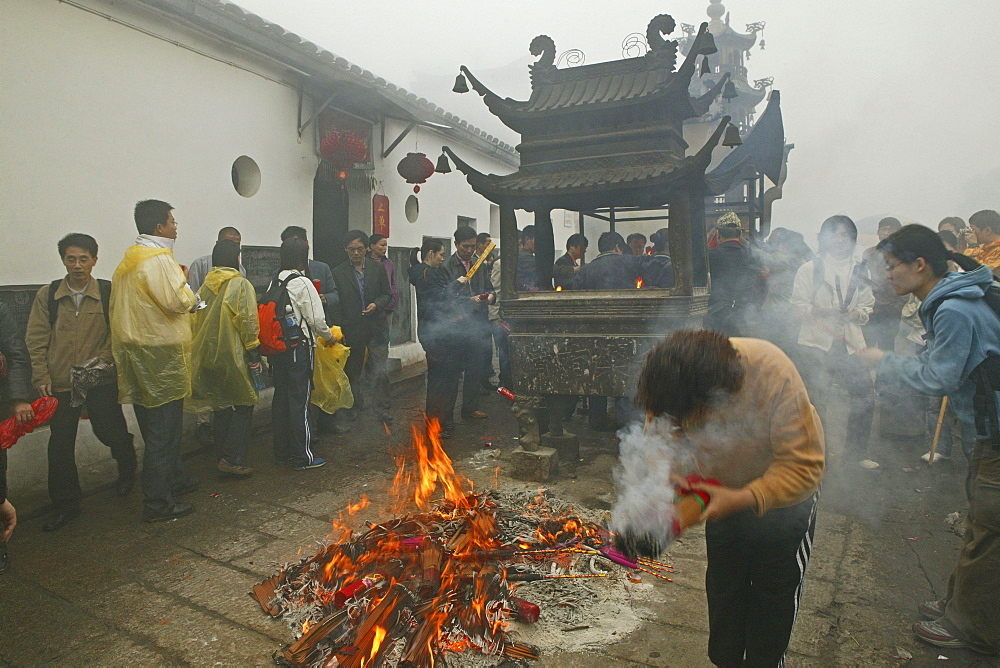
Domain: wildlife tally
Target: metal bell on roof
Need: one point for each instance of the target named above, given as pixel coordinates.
(732, 137)
(705, 67)
(461, 85)
(729, 90)
(443, 166)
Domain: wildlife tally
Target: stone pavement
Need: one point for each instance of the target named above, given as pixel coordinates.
(111, 590)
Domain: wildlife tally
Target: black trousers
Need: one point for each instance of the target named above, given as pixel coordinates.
(110, 428)
(292, 372)
(501, 340)
(472, 351)
(231, 428)
(754, 582)
(443, 371)
(161, 428)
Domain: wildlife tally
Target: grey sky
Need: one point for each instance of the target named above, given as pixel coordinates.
(891, 104)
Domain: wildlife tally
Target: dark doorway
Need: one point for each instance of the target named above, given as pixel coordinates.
(330, 219)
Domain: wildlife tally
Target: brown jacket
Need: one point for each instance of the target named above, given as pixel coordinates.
(767, 437)
(76, 337)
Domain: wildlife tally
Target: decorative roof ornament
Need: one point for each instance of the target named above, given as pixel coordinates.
(659, 47)
(634, 46)
(571, 58)
(543, 47)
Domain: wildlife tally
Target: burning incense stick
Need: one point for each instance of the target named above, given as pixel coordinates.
(485, 254)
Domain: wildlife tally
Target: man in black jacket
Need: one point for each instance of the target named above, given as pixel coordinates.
(473, 324)
(566, 266)
(736, 282)
(363, 291)
(612, 269)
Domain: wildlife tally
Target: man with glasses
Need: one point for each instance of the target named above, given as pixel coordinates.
(472, 323)
(363, 289)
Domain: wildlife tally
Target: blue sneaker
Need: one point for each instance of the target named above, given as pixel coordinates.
(316, 463)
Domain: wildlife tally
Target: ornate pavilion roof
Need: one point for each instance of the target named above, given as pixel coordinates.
(602, 87)
(592, 183)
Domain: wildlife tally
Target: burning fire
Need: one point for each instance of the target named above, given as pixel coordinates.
(440, 580)
(558, 288)
(639, 283)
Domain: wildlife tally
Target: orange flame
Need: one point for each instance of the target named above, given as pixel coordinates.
(378, 635)
(431, 467)
(639, 283)
(558, 288)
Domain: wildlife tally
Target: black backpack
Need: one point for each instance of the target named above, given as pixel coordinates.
(102, 284)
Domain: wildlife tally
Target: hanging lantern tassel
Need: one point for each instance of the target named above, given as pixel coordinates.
(705, 68)
(761, 40)
(461, 85)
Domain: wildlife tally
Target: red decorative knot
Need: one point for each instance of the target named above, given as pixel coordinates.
(343, 149)
(415, 168)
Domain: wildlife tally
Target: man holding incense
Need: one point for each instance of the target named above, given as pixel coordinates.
(742, 417)
(472, 324)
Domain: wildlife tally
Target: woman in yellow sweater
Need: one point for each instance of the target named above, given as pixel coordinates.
(745, 420)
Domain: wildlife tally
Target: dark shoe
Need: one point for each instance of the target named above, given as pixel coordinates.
(4, 558)
(234, 469)
(60, 518)
(932, 610)
(191, 485)
(172, 513)
(316, 463)
(447, 433)
(125, 483)
(935, 634)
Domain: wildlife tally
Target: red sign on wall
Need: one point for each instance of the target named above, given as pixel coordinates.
(380, 215)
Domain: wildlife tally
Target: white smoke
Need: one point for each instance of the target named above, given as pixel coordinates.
(644, 510)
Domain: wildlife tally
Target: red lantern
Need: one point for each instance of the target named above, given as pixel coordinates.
(415, 168)
(343, 149)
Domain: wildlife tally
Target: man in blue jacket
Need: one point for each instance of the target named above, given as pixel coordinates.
(961, 361)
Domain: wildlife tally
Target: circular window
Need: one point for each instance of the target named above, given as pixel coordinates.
(412, 208)
(246, 176)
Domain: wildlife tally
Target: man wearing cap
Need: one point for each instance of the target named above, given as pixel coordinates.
(736, 280)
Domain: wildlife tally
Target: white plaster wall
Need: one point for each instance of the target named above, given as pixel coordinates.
(98, 115)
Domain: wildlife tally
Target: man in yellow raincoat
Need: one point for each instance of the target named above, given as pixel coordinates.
(225, 334)
(151, 305)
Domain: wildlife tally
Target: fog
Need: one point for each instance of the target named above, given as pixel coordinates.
(891, 105)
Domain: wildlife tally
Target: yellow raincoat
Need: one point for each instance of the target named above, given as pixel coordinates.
(223, 332)
(151, 327)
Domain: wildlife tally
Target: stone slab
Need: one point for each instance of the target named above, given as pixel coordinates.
(538, 466)
(567, 445)
(195, 636)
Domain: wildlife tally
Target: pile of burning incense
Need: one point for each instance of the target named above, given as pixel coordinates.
(443, 579)
(410, 589)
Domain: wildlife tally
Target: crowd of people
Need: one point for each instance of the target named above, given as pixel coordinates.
(913, 309)
(167, 338)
